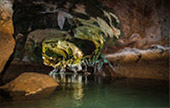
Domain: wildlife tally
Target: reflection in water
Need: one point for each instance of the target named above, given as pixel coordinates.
(68, 77)
(102, 93)
(75, 82)
(72, 81)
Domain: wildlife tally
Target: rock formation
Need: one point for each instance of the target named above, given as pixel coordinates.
(7, 42)
(144, 23)
(29, 85)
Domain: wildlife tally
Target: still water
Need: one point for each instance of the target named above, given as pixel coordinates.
(101, 93)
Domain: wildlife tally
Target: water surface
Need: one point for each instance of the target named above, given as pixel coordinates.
(102, 94)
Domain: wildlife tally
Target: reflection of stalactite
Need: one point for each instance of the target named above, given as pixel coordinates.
(68, 78)
(78, 91)
(73, 81)
(75, 84)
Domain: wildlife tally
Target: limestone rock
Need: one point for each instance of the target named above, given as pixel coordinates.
(29, 85)
(33, 49)
(39, 35)
(7, 41)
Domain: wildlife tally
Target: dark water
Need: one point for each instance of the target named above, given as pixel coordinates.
(130, 93)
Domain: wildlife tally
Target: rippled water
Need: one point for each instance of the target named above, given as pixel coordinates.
(102, 93)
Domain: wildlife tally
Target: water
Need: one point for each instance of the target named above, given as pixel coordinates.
(102, 93)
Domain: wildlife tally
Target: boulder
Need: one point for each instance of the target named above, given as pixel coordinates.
(7, 42)
(29, 85)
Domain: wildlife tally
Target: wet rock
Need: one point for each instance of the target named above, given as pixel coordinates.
(29, 85)
(7, 41)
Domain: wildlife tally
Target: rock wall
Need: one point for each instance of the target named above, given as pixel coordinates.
(143, 22)
(146, 26)
(7, 41)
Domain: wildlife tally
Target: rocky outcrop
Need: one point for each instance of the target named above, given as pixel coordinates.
(29, 85)
(145, 24)
(152, 63)
(7, 41)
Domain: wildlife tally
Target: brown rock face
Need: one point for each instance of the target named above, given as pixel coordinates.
(144, 23)
(29, 85)
(7, 44)
(147, 19)
(7, 41)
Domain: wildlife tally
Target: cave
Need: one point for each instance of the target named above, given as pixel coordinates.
(84, 53)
